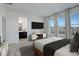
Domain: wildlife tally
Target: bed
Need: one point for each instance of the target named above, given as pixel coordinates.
(39, 44)
(38, 47)
(64, 51)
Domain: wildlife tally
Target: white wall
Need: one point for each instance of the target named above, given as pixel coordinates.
(36, 19)
(29, 29)
(2, 10)
(12, 29)
(12, 25)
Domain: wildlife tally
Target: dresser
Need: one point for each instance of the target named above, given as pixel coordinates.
(38, 36)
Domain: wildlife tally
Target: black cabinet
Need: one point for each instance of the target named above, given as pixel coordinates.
(22, 34)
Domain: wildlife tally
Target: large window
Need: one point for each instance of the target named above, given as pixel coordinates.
(61, 25)
(74, 22)
(51, 23)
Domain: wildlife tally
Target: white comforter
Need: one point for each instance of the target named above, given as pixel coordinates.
(64, 51)
(39, 44)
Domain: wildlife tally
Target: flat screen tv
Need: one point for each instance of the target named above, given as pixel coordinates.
(37, 25)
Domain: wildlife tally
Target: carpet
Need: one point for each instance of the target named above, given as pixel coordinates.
(27, 51)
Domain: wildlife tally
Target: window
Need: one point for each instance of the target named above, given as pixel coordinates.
(51, 23)
(61, 25)
(74, 16)
(74, 22)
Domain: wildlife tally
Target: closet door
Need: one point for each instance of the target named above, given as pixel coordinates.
(4, 28)
(0, 28)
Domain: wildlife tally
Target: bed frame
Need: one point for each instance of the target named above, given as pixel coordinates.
(37, 51)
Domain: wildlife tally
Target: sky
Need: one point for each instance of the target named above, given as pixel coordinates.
(51, 22)
(60, 21)
(75, 18)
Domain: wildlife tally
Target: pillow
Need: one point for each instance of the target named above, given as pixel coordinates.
(73, 47)
(78, 50)
(75, 43)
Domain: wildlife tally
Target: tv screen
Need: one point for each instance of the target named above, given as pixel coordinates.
(37, 25)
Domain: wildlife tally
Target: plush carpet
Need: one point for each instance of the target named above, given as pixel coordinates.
(26, 51)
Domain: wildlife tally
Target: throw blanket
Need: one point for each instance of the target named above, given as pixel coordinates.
(49, 49)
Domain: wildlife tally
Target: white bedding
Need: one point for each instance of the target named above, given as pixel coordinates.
(39, 44)
(64, 51)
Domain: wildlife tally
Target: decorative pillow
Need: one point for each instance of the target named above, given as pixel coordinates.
(73, 47)
(75, 43)
(78, 50)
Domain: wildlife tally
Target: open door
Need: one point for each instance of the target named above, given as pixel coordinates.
(22, 28)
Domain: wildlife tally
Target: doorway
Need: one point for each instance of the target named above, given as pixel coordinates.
(22, 22)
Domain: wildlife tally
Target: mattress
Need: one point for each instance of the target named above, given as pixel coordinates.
(39, 44)
(64, 51)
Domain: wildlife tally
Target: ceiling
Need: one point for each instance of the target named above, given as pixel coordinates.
(39, 9)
